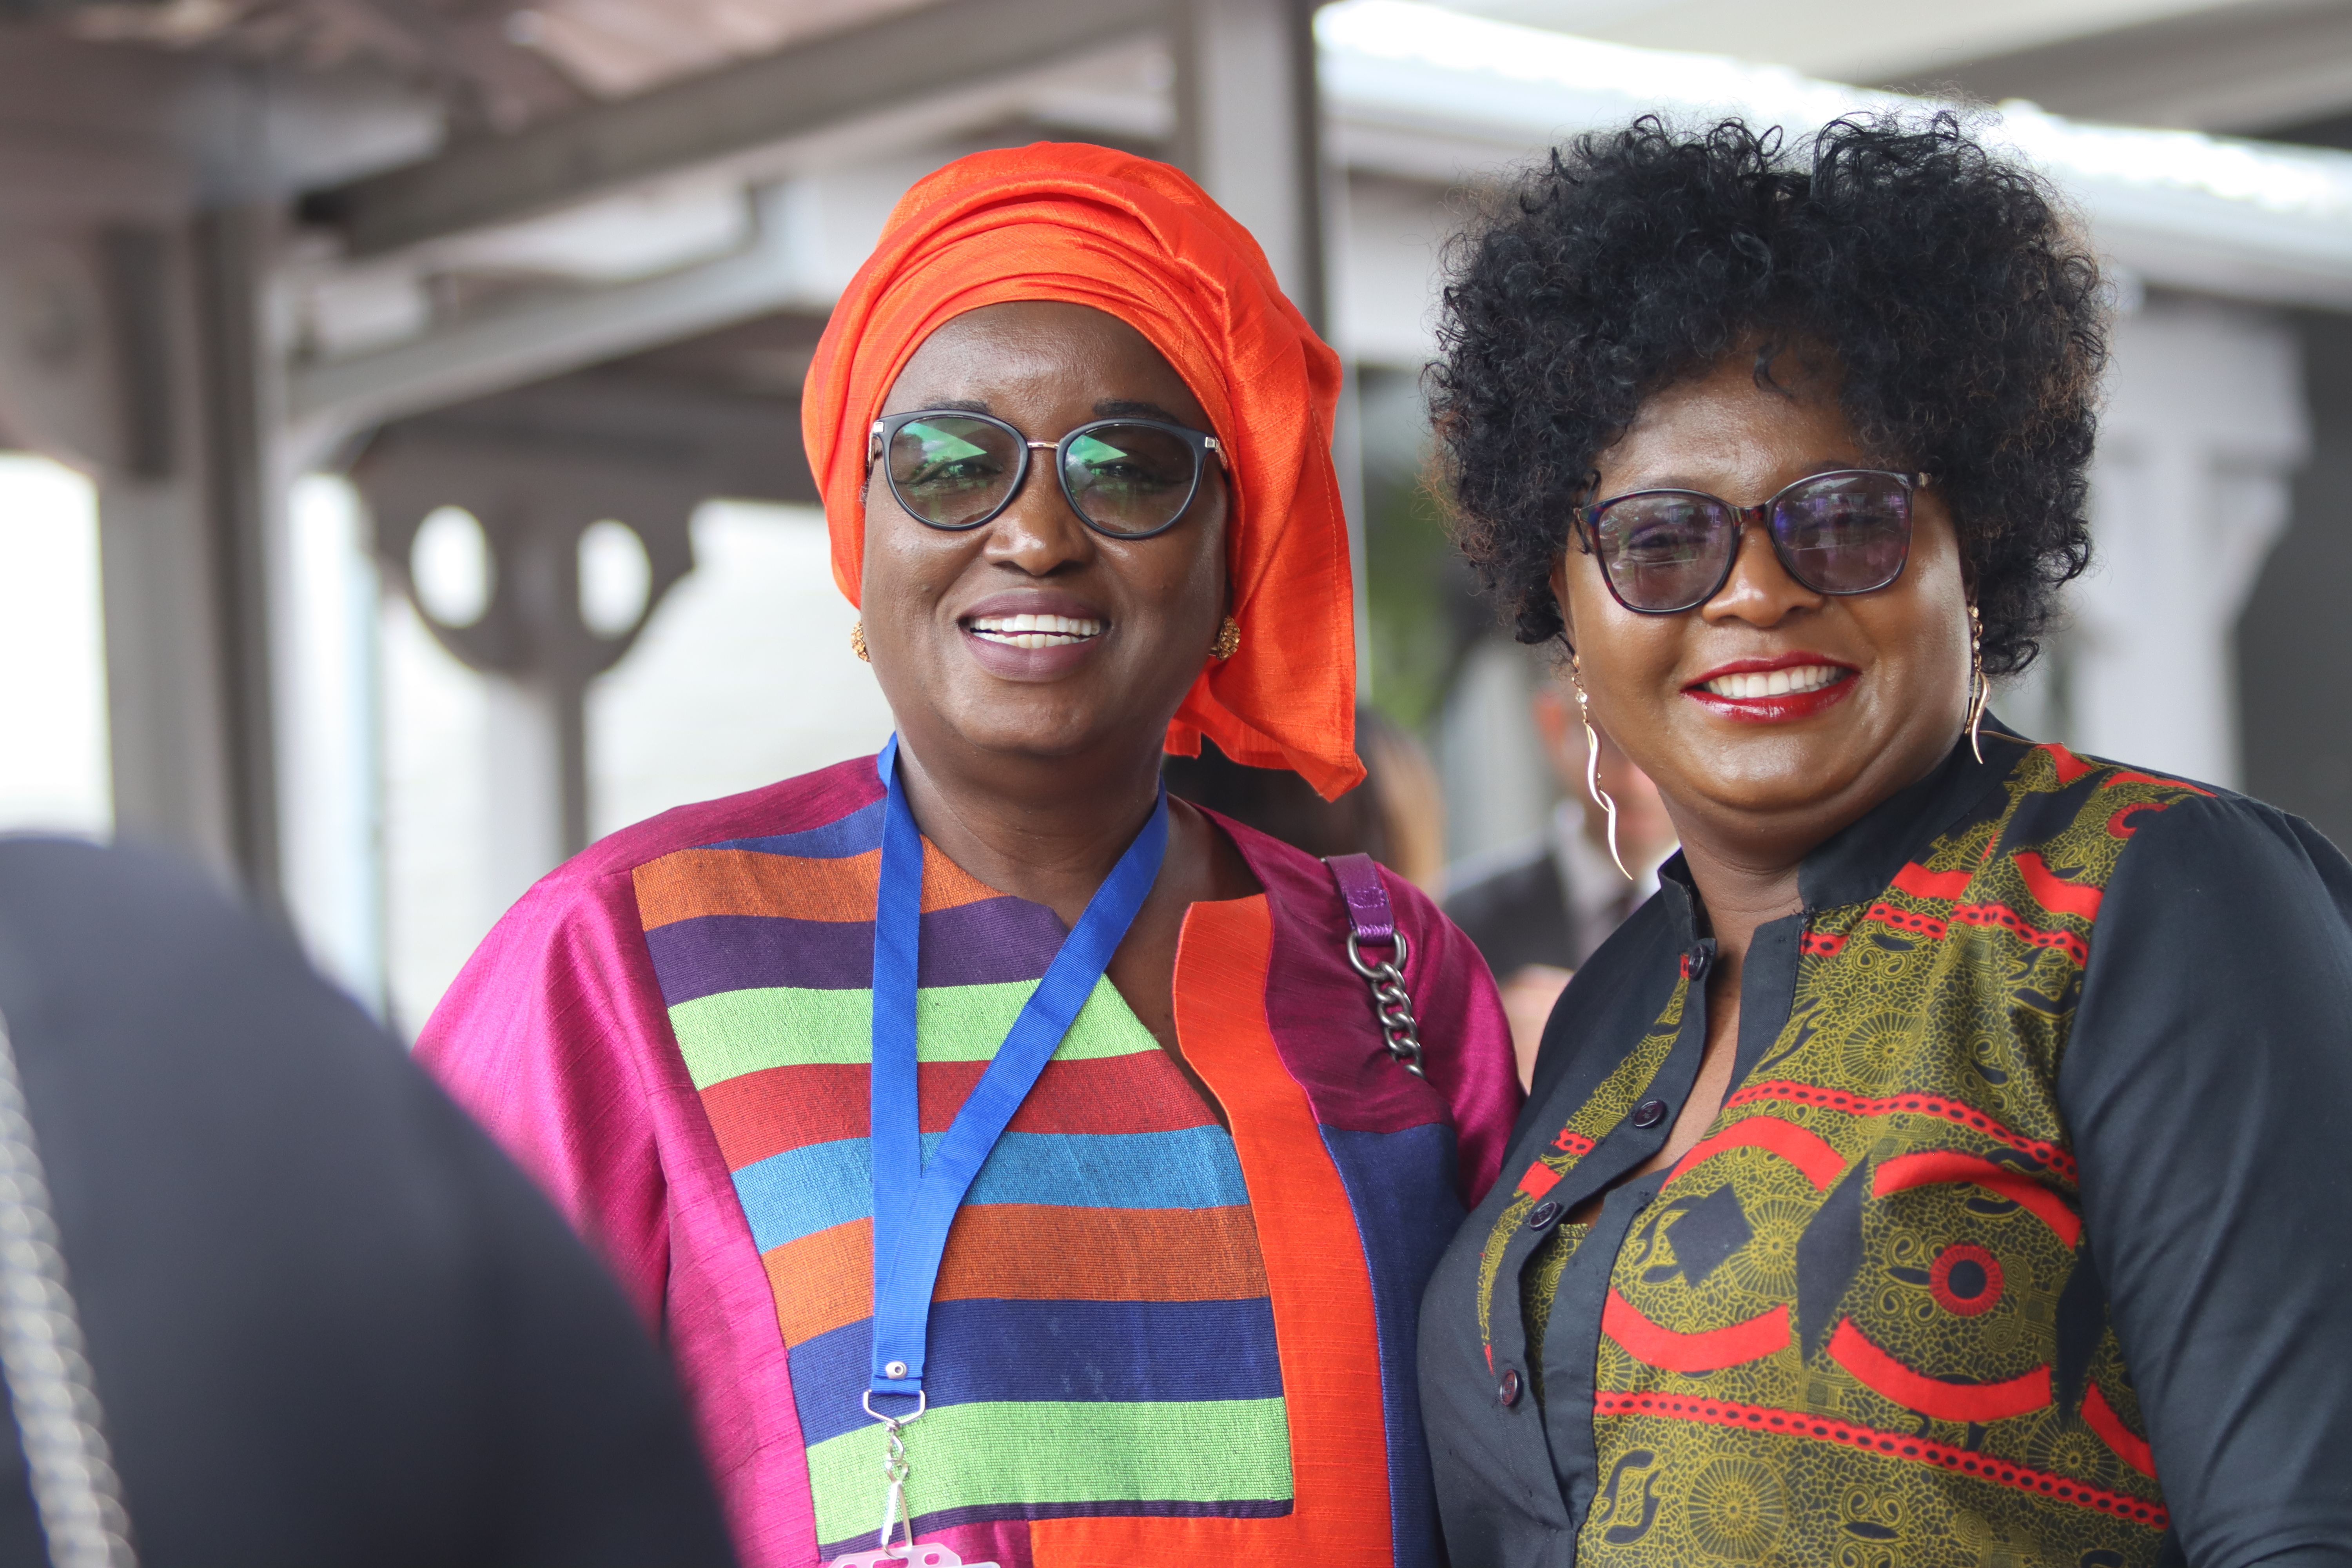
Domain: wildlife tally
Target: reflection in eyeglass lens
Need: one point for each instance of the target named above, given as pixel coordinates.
(1837, 533)
(1845, 533)
(1129, 478)
(949, 469)
(1658, 550)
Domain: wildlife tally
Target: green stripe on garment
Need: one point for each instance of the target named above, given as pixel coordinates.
(734, 1032)
(965, 1456)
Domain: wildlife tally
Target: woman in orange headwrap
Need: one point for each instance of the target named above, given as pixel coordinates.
(999, 1144)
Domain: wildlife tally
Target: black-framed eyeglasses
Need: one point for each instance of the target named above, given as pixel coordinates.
(1130, 479)
(1662, 552)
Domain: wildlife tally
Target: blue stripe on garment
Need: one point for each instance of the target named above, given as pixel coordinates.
(802, 1191)
(855, 833)
(1110, 1351)
(1400, 1185)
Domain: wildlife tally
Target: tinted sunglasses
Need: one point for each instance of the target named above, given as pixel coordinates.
(1130, 479)
(1844, 532)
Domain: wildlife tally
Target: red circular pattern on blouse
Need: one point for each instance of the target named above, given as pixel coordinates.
(1977, 1288)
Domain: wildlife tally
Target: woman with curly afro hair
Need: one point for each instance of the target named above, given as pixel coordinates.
(1946, 1163)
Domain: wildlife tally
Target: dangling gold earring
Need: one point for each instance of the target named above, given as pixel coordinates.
(1229, 640)
(857, 641)
(1979, 689)
(1600, 798)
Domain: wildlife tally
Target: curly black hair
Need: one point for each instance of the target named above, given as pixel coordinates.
(1958, 299)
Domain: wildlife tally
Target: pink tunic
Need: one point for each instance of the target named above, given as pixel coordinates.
(560, 1036)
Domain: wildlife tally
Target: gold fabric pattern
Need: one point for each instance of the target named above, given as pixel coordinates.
(1836, 1335)
(1609, 1104)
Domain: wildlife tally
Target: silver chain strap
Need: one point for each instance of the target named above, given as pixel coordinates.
(1391, 1003)
(65, 1458)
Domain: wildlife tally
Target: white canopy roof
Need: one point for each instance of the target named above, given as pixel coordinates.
(1434, 93)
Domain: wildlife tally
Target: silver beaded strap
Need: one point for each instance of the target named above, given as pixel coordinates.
(1392, 1003)
(75, 1490)
(1371, 919)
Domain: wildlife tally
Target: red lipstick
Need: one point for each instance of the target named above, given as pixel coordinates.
(1759, 707)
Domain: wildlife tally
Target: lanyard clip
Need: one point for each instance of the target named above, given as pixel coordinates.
(897, 1515)
(922, 1403)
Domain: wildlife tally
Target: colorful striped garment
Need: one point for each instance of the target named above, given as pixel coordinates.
(1151, 1340)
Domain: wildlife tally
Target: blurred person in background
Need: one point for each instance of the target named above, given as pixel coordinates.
(1539, 909)
(1397, 816)
(273, 1301)
(1009, 1152)
(1947, 1167)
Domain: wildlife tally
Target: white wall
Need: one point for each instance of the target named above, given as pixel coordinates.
(329, 730)
(2204, 427)
(53, 743)
(745, 676)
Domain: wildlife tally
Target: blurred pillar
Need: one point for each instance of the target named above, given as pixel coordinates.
(131, 351)
(1249, 118)
(244, 498)
(2204, 427)
(1497, 783)
(1250, 128)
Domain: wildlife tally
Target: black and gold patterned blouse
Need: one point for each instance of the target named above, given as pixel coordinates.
(2024, 1236)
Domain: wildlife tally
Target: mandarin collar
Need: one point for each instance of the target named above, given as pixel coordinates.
(1859, 861)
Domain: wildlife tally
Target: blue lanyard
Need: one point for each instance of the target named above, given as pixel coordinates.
(913, 1206)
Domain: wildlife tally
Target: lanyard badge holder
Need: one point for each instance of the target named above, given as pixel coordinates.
(913, 1203)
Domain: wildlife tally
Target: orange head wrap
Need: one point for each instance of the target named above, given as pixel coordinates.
(1139, 240)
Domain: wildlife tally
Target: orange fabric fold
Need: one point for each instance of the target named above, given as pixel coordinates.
(1139, 240)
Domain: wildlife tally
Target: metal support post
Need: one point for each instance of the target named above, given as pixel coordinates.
(244, 499)
(1249, 128)
(1249, 117)
(168, 641)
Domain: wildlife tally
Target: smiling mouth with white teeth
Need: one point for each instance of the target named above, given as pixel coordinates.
(1775, 683)
(1036, 631)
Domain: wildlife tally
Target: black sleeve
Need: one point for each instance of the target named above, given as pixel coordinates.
(328, 1322)
(2208, 1086)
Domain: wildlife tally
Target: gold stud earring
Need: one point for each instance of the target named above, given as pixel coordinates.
(1600, 798)
(1229, 640)
(1980, 688)
(857, 641)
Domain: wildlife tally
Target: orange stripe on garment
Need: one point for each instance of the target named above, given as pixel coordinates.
(823, 1279)
(2056, 894)
(1653, 1344)
(1925, 1169)
(1809, 1151)
(694, 882)
(997, 1251)
(2100, 1417)
(1974, 1402)
(1321, 1287)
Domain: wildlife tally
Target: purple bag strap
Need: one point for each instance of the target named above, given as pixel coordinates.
(1371, 919)
(1366, 895)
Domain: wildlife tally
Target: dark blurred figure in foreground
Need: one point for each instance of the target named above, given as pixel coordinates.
(1397, 816)
(326, 1321)
(1538, 909)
